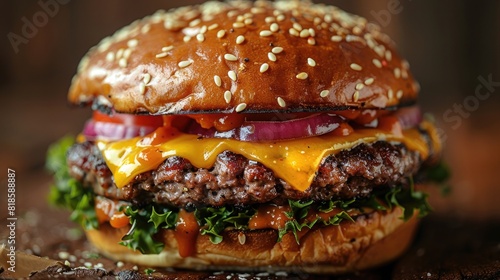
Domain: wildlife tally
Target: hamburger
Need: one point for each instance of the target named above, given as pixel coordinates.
(249, 136)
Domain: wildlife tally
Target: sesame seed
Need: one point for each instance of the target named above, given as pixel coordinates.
(132, 43)
(200, 37)
(145, 29)
(110, 56)
(120, 264)
(147, 78)
(324, 93)
(311, 41)
(280, 17)
(370, 43)
(390, 94)
(302, 76)
(297, 26)
(142, 88)
(377, 63)
(265, 33)
(360, 86)
(397, 73)
(257, 10)
(248, 21)
(242, 239)
(217, 80)
(213, 26)
(184, 63)
(186, 39)
(369, 81)
(122, 62)
(240, 39)
(63, 255)
(227, 96)
(399, 94)
(264, 67)
(277, 50)
(195, 22)
(274, 27)
(351, 38)
(357, 30)
(238, 25)
(281, 102)
(161, 55)
(336, 38)
(127, 53)
(271, 56)
(312, 32)
(221, 33)
(230, 57)
(355, 96)
(405, 64)
(241, 107)
(356, 67)
(404, 74)
(270, 19)
(380, 50)
(166, 49)
(304, 33)
(293, 32)
(328, 18)
(311, 62)
(232, 75)
(119, 53)
(203, 29)
(388, 55)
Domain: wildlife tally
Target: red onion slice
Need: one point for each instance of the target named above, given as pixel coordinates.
(254, 131)
(409, 117)
(94, 130)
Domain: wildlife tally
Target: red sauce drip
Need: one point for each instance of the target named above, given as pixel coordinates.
(390, 124)
(104, 209)
(269, 216)
(186, 233)
(107, 210)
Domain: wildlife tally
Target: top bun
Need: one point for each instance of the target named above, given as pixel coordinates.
(245, 56)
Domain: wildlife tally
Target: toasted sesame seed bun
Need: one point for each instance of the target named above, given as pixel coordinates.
(371, 240)
(270, 56)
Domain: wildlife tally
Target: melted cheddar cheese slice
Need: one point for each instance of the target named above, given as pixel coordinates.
(295, 161)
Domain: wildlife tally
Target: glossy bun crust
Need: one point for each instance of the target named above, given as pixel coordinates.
(244, 56)
(373, 239)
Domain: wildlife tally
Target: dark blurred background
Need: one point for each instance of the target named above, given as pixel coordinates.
(453, 47)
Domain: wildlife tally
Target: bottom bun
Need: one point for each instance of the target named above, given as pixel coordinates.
(373, 239)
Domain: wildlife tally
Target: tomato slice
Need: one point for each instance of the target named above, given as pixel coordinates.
(128, 119)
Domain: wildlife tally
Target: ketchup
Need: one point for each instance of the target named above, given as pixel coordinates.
(107, 211)
(269, 216)
(186, 233)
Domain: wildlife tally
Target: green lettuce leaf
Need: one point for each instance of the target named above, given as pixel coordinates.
(66, 191)
(141, 233)
(215, 220)
(440, 174)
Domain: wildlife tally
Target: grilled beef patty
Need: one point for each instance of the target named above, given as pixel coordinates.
(237, 180)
